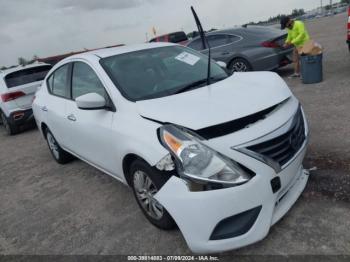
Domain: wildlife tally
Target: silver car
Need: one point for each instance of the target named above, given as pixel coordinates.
(249, 48)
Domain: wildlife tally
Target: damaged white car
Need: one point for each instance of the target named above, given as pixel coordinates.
(219, 157)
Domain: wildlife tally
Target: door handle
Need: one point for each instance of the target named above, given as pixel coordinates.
(44, 108)
(71, 117)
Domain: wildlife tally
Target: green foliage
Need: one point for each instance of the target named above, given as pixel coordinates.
(22, 61)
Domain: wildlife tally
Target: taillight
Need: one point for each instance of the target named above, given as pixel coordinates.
(11, 96)
(270, 44)
(349, 24)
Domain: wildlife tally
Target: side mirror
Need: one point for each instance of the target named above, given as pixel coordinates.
(222, 64)
(91, 101)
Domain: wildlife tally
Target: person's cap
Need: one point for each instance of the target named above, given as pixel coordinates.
(284, 22)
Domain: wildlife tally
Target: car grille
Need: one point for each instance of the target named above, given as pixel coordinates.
(283, 148)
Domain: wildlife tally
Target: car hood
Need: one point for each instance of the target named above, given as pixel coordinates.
(238, 96)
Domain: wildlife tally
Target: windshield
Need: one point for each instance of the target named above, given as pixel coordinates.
(159, 72)
(27, 76)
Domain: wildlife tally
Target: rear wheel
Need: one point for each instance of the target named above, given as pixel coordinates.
(61, 156)
(239, 65)
(146, 181)
(10, 128)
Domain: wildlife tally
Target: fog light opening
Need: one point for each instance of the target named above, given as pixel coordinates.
(18, 116)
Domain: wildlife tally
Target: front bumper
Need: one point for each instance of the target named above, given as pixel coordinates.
(21, 117)
(198, 213)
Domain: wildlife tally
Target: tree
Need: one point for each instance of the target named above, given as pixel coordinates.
(298, 12)
(345, 1)
(22, 61)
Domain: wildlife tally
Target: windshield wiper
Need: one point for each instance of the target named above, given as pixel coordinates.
(198, 83)
(191, 85)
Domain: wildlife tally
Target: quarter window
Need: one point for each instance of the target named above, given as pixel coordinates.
(50, 83)
(85, 80)
(233, 38)
(218, 40)
(57, 82)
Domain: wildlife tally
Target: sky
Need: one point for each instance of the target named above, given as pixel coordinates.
(51, 27)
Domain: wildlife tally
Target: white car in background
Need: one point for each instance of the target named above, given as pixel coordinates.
(222, 161)
(17, 88)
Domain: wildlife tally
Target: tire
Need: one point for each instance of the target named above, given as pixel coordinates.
(239, 65)
(146, 181)
(10, 128)
(61, 156)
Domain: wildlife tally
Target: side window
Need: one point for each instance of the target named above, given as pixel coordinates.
(233, 38)
(196, 45)
(57, 82)
(50, 83)
(85, 80)
(217, 40)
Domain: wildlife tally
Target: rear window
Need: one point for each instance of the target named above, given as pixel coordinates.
(26, 76)
(177, 37)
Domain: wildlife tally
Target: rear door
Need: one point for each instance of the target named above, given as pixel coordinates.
(54, 106)
(27, 81)
(222, 46)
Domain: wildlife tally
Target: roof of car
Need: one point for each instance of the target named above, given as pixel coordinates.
(241, 31)
(106, 52)
(20, 67)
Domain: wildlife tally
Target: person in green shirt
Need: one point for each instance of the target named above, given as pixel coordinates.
(297, 37)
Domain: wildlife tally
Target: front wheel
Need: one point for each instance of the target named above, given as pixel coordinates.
(239, 65)
(146, 182)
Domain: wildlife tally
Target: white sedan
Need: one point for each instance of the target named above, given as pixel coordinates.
(221, 160)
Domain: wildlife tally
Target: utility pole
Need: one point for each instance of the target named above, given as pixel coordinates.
(321, 7)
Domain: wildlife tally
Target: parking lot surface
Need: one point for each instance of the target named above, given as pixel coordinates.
(46, 208)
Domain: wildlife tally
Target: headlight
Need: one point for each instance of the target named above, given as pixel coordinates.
(197, 161)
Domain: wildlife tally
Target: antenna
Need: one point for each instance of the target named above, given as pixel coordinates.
(205, 42)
